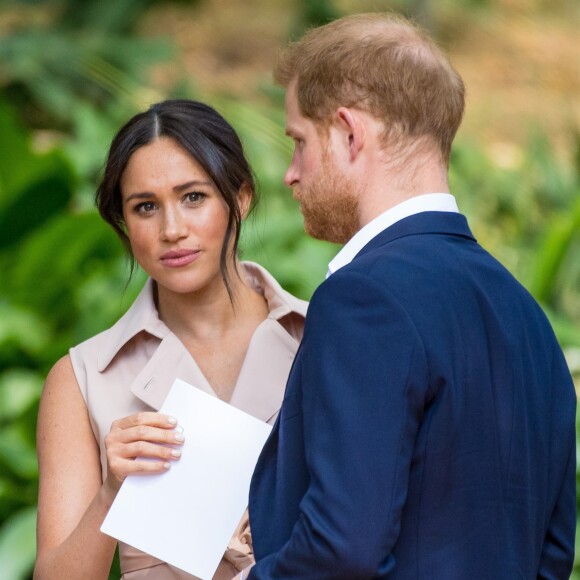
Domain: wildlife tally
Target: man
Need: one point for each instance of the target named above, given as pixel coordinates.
(427, 430)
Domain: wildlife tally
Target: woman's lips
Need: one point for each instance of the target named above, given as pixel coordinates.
(178, 258)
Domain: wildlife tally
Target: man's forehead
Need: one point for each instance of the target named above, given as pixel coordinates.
(291, 100)
(293, 116)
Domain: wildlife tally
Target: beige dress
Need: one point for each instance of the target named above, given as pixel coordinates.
(131, 367)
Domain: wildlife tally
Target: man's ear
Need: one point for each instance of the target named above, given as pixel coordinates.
(245, 196)
(354, 129)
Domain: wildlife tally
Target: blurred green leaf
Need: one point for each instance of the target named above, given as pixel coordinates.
(106, 16)
(15, 157)
(557, 241)
(18, 545)
(43, 180)
(19, 390)
(58, 256)
(88, 144)
(16, 493)
(17, 454)
(23, 328)
(35, 204)
(81, 53)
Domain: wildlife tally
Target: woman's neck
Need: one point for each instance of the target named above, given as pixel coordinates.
(214, 330)
(211, 313)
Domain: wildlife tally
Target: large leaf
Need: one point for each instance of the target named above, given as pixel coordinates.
(560, 232)
(19, 390)
(106, 16)
(59, 68)
(17, 453)
(18, 545)
(15, 157)
(21, 169)
(35, 204)
(566, 330)
(22, 328)
(46, 269)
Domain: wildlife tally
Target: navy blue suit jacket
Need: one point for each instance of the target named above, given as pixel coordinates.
(427, 430)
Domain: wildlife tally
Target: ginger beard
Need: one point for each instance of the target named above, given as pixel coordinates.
(329, 204)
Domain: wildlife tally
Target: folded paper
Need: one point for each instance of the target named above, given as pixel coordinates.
(187, 515)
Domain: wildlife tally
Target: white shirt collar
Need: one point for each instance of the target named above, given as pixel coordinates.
(409, 207)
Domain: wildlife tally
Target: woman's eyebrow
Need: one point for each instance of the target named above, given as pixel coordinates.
(144, 195)
(189, 184)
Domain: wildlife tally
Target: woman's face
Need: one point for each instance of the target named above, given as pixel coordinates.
(175, 217)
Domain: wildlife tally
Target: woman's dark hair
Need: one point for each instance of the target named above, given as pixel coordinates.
(207, 137)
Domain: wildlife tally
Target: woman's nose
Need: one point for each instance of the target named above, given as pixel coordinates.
(174, 225)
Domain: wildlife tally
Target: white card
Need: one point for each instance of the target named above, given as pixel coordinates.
(187, 515)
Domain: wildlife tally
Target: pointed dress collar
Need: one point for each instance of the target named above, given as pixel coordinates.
(260, 386)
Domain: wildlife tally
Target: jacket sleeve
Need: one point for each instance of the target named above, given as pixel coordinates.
(558, 550)
(364, 380)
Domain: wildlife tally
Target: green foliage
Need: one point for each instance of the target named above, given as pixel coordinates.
(81, 53)
(318, 12)
(524, 207)
(64, 273)
(49, 254)
(18, 544)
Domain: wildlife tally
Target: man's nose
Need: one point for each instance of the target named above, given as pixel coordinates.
(291, 175)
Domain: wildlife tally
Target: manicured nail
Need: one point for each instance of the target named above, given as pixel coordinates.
(172, 420)
(179, 429)
(176, 453)
(178, 437)
(167, 465)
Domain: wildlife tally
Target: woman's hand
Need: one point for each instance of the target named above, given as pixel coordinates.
(152, 437)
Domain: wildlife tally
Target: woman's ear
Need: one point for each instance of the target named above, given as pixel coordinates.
(245, 196)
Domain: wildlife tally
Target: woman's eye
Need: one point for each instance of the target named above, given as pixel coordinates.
(145, 207)
(194, 197)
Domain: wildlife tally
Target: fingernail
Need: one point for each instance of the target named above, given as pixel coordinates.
(179, 429)
(172, 420)
(176, 453)
(178, 437)
(167, 465)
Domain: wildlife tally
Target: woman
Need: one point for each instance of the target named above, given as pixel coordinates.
(176, 187)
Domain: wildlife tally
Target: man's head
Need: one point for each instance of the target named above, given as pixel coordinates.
(328, 195)
(384, 65)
